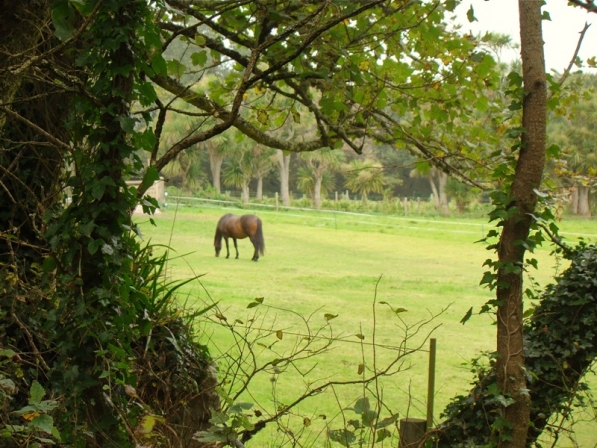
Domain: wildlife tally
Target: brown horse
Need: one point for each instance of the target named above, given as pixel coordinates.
(239, 227)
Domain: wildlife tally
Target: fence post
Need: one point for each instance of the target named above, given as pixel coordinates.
(412, 431)
(431, 382)
(276, 201)
(405, 206)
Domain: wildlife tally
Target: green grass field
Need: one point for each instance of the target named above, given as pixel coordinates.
(319, 263)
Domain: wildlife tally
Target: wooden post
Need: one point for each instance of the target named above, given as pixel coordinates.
(412, 430)
(419, 206)
(336, 197)
(431, 382)
(276, 201)
(405, 206)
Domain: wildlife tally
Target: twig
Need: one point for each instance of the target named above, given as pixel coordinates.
(36, 352)
(574, 56)
(567, 250)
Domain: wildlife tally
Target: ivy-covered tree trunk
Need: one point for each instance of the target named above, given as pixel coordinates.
(510, 366)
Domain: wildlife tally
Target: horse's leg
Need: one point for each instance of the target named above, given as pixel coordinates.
(236, 247)
(227, 250)
(256, 254)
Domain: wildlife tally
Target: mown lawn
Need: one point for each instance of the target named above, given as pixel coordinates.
(344, 265)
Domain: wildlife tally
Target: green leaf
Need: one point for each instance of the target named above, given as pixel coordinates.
(343, 436)
(238, 408)
(158, 64)
(147, 93)
(148, 422)
(369, 417)
(151, 175)
(63, 20)
(127, 124)
(262, 117)
(44, 423)
(49, 264)
(36, 393)
(176, 68)
(470, 15)
(362, 405)
(467, 316)
(199, 58)
(382, 434)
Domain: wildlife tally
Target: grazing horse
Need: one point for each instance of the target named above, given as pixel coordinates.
(239, 227)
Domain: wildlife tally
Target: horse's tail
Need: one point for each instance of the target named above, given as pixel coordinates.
(259, 241)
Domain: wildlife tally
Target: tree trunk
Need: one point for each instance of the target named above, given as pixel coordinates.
(574, 200)
(434, 192)
(527, 178)
(245, 192)
(283, 160)
(215, 164)
(317, 192)
(443, 196)
(583, 201)
(259, 194)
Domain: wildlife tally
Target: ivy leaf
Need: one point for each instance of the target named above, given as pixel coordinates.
(151, 175)
(127, 124)
(147, 94)
(63, 20)
(158, 64)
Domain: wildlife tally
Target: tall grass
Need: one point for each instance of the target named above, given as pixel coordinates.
(346, 264)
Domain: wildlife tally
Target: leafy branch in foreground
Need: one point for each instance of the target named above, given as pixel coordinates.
(262, 355)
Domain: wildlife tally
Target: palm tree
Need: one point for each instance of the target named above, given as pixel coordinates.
(364, 177)
(317, 168)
